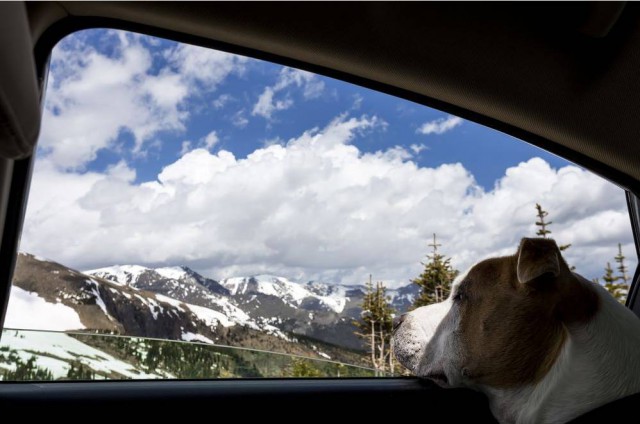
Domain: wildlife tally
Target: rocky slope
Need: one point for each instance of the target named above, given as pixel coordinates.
(265, 312)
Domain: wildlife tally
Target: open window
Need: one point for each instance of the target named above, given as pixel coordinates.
(199, 214)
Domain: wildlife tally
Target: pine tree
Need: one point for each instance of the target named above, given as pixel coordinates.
(622, 269)
(543, 231)
(25, 371)
(617, 285)
(608, 277)
(616, 289)
(542, 214)
(303, 368)
(375, 326)
(80, 371)
(436, 278)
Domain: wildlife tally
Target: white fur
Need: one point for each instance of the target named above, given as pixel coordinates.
(425, 344)
(598, 362)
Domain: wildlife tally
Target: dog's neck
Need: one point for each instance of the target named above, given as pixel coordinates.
(598, 364)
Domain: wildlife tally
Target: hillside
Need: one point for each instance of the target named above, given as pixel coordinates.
(265, 313)
(314, 309)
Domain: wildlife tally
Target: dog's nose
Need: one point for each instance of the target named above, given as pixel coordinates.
(397, 321)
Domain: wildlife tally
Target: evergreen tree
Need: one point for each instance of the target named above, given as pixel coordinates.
(543, 231)
(376, 326)
(617, 285)
(80, 371)
(303, 368)
(542, 214)
(622, 269)
(616, 289)
(436, 278)
(25, 371)
(608, 277)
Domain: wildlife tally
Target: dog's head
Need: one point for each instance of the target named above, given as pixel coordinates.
(502, 326)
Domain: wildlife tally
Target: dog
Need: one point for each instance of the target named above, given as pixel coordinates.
(543, 343)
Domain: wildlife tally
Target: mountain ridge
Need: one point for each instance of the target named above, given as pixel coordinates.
(179, 303)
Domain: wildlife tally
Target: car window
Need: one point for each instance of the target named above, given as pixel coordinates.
(199, 214)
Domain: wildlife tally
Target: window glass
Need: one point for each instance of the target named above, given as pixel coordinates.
(199, 214)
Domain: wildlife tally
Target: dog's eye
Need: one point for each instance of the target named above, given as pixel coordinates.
(459, 296)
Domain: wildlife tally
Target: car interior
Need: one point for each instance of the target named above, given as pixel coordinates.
(560, 76)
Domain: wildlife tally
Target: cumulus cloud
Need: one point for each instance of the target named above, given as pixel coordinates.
(312, 87)
(316, 207)
(94, 97)
(440, 126)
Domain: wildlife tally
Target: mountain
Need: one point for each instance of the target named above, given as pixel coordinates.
(47, 295)
(310, 309)
(262, 311)
(182, 284)
(180, 280)
(314, 309)
(402, 298)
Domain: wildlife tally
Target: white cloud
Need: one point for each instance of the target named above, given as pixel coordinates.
(266, 106)
(221, 101)
(272, 141)
(185, 147)
(93, 98)
(316, 207)
(312, 87)
(239, 119)
(210, 140)
(205, 66)
(417, 148)
(440, 126)
(357, 101)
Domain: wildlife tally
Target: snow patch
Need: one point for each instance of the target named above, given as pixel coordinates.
(96, 292)
(119, 274)
(193, 337)
(27, 310)
(52, 349)
(174, 273)
(175, 303)
(236, 285)
(210, 317)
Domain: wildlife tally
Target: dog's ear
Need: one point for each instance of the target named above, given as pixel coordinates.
(538, 257)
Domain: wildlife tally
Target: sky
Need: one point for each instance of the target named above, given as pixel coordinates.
(160, 154)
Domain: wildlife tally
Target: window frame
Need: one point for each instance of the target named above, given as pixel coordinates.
(20, 170)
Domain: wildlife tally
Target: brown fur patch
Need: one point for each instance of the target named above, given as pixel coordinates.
(513, 332)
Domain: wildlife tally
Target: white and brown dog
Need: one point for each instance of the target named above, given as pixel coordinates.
(543, 343)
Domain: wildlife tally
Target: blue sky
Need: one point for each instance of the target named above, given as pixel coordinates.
(164, 154)
(486, 153)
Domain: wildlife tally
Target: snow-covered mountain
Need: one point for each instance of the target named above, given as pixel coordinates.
(178, 280)
(295, 295)
(313, 309)
(178, 303)
(182, 284)
(49, 296)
